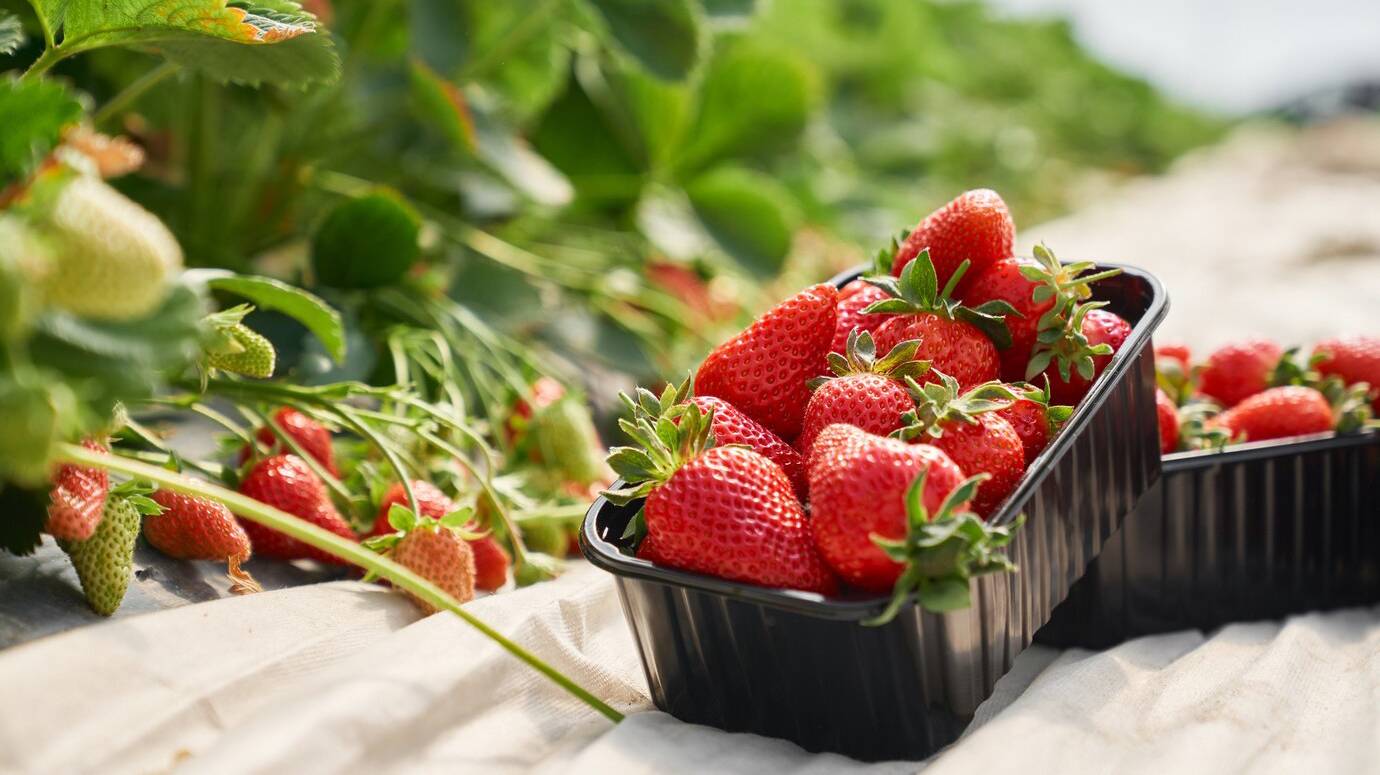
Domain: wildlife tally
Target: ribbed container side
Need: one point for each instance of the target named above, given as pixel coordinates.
(801, 667)
(1260, 531)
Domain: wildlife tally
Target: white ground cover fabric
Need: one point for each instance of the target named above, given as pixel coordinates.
(345, 677)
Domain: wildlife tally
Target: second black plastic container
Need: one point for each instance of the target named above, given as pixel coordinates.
(798, 666)
(1259, 531)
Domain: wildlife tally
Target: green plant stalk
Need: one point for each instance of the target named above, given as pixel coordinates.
(136, 89)
(310, 534)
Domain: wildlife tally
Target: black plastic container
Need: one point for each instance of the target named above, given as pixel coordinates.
(799, 666)
(1258, 531)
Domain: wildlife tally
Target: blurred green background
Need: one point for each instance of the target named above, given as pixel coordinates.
(621, 181)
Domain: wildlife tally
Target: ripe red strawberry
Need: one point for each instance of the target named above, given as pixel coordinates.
(1354, 359)
(974, 227)
(733, 427)
(1279, 412)
(1169, 422)
(287, 484)
(724, 511)
(491, 563)
(77, 499)
(855, 297)
(309, 434)
(864, 392)
(763, 370)
(858, 483)
(1041, 289)
(1238, 370)
(1033, 419)
(1076, 360)
(433, 549)
(1179, 353)
(967, 427)
(955, 339)
(192, 528)
(430, 500)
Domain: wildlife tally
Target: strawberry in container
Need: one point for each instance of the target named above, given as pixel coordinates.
(903, 555)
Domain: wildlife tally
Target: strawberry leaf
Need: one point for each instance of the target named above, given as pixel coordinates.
(33, 114)
(269, 41)
(267, 293)
(25, 512)
(663, 36)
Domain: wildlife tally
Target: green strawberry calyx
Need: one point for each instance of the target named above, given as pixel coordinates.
(404, 520)
(943, 551)
(938, 404)
(860, 357)
(1064, 345)
(669, 431)
(885, 259)
(1196, 429)
(917, 291)
(1056, 414)
(1066, 284)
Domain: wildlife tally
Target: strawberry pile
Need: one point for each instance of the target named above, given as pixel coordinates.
(1256, 390)
(856, 440)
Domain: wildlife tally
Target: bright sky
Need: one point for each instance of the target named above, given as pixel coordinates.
(1228, 55)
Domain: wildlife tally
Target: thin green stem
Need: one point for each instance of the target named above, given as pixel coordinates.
(131, 93)
(310, 534)
(50, 56)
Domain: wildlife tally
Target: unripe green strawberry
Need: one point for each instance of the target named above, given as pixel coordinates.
(105, 561)
(250, 353)
(25, 259)
(112, 258)
(569, 444)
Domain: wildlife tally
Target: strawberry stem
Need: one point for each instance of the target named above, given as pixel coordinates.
(310, 534)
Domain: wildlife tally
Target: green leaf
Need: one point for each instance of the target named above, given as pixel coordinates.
(513, 53)
(602, 173)
(271, 41)
(401, 518)
(729, 14)
(33, 114)
(299, 62)
(441, 104)
(663, 36)
(751, 216)
(946, 594)
(753, 99)
(11, 34)
(366, 242)
(267, 293)
(109, 361)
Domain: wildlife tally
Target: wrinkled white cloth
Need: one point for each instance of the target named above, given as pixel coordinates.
(345, 677)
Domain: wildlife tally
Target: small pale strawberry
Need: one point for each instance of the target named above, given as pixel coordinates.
(105, 561)
(433, 549)
(113, 259)
(248, 353)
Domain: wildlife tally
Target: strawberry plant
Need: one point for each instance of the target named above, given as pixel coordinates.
(102, 324)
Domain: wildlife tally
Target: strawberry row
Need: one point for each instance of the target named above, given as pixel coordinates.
(1256, 390)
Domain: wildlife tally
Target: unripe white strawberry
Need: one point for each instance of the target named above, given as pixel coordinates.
(112, 258)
